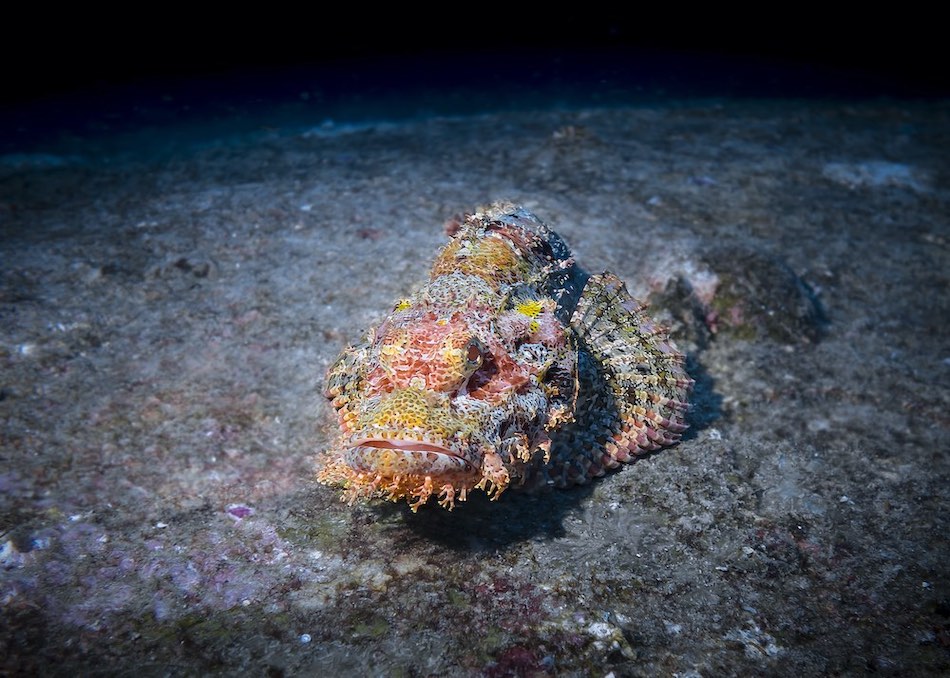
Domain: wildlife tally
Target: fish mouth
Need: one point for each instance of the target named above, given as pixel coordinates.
(408, 444)
(390, 457)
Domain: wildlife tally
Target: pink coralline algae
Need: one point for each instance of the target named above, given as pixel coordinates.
(240, 511)
(509, 367)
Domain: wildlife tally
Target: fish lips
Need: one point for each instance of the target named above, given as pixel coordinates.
(391, 457)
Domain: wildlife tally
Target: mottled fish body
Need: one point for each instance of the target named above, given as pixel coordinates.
(509, 367)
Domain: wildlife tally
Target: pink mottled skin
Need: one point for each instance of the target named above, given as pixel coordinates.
(509, 366)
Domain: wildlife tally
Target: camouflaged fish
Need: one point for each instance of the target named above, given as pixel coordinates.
(509, 367)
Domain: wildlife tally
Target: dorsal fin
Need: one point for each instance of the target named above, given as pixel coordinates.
(643, 368)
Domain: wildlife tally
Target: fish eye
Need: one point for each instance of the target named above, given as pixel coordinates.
(474, 353)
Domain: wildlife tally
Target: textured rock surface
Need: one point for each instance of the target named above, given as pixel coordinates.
(167, 322)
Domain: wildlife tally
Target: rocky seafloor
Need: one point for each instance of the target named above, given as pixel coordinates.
(166, 322)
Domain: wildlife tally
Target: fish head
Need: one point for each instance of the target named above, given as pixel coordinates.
(443, 398)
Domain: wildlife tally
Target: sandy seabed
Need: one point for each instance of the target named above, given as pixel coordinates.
(166, 322)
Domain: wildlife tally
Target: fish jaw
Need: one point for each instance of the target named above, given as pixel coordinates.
(393, 457)
(395, 469)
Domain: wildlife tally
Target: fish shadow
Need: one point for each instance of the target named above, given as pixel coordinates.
(705, 404)
(480, 525)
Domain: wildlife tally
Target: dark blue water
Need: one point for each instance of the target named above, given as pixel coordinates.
(125, 102)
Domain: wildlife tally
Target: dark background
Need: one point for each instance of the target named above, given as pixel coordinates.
(84, 74)
(49, 53)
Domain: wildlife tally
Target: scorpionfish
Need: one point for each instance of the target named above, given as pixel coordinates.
(509, 367)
